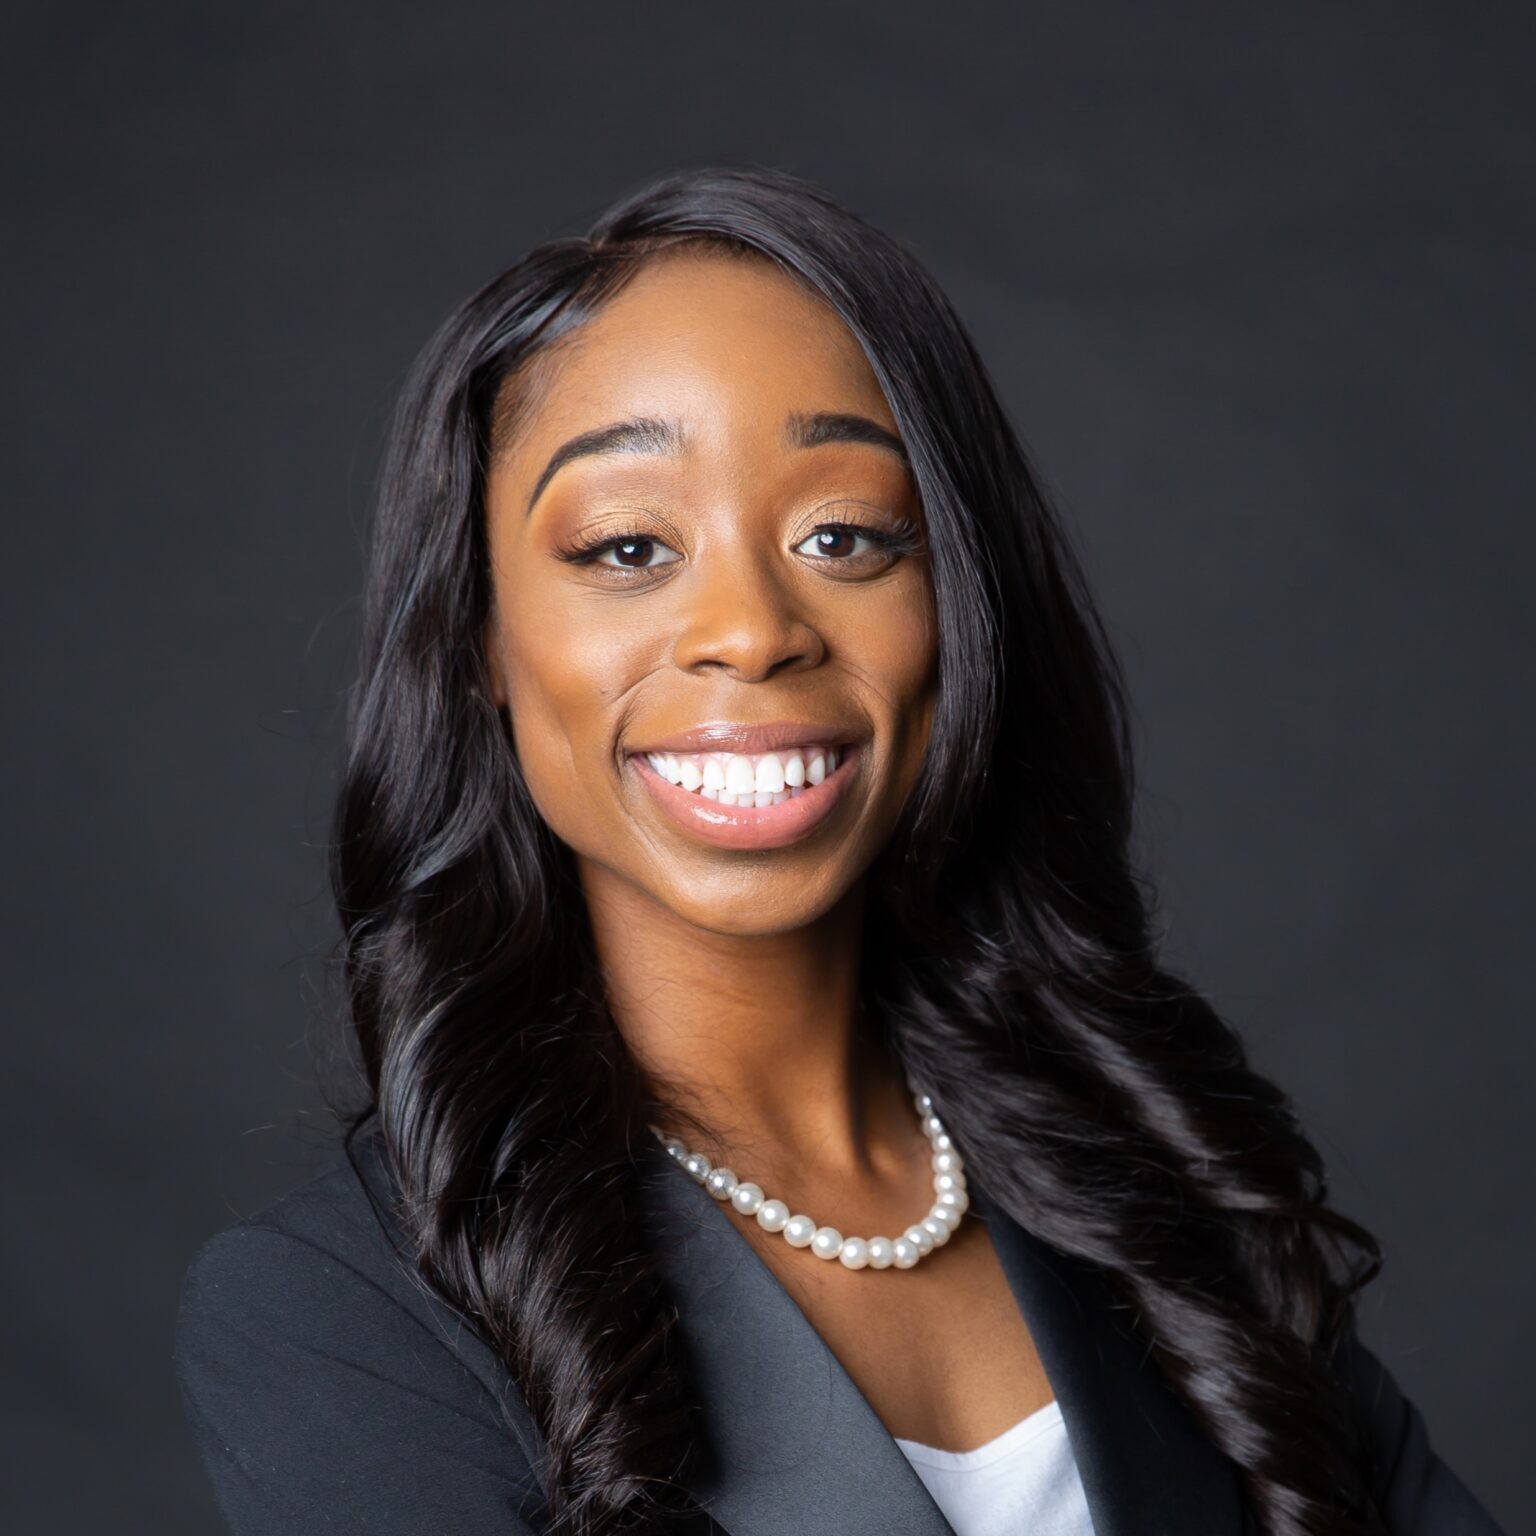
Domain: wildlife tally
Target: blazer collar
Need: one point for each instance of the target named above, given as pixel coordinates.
(793, 1445)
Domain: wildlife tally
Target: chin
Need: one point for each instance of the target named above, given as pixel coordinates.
(747, 913)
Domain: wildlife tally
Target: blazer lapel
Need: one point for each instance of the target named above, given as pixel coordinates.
(1147, 1467)
(794, 1446)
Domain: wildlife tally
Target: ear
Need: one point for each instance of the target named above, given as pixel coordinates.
(491, 646)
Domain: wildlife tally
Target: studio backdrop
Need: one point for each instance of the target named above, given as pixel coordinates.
(1255, 289)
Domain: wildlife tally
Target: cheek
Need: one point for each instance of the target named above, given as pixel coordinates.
(902, 667)
(922, 679)
(566, 686)
(914, 648)
(897, 641)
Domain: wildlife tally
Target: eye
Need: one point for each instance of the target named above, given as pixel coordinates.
(632, 554)
(845, 542)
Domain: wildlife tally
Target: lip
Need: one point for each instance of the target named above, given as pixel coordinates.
(746, 826)
(734, 736)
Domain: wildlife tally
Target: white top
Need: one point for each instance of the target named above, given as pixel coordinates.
(1024, 1480)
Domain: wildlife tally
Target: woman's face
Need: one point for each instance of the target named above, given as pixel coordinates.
(713, 625)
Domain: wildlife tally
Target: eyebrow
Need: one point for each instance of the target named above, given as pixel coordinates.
(653, 434)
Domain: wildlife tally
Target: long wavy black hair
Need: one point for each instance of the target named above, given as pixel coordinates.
(1009, 952)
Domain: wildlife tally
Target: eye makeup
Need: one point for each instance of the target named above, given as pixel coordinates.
(634, 547)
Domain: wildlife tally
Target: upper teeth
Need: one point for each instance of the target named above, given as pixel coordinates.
(746, 778)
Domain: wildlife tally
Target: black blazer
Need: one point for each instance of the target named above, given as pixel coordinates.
(328, 1389)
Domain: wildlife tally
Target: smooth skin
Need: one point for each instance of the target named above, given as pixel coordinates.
(738, 576)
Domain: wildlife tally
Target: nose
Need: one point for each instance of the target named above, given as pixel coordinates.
(741, 620)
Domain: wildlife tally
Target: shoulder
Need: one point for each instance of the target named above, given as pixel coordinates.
(1418, 1493)
(332, 1236)
(312, 1357)
(327, 1256)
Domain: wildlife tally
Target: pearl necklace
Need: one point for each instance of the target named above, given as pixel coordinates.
(950, 1203)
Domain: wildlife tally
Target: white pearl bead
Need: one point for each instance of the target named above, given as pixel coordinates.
(943, 1142)
(747, 1198)
(945, 1162)
(955, 1197)
(937, 1230)
(720, 1182)
(855, 1253)
(923, 1102)
(933, 1125)
(919, 1239)
(943, 1181)
(827, 1242)
(904, 1253)
(947, 1214)
(881, 1253)
(676, 1148)
(772, 1215)
(697, 1164)
(798, 1231)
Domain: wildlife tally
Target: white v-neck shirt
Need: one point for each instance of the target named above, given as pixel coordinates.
(1024, 1480)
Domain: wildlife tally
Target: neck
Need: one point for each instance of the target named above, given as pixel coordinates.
(759, 1040)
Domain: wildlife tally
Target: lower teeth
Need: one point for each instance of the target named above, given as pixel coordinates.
(759, 798)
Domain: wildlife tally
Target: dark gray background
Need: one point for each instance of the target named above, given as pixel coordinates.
(1257, 291)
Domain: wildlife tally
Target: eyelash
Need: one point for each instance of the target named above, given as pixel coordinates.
(903, 540)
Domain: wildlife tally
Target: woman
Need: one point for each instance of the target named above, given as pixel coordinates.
(778, 1117)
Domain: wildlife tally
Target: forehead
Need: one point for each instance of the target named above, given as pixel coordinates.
(730, 346)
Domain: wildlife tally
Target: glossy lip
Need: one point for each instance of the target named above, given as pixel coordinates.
(735, 736)
(747, 826)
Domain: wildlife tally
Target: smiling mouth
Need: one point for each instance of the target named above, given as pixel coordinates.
(757, 779)
(749, 800)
